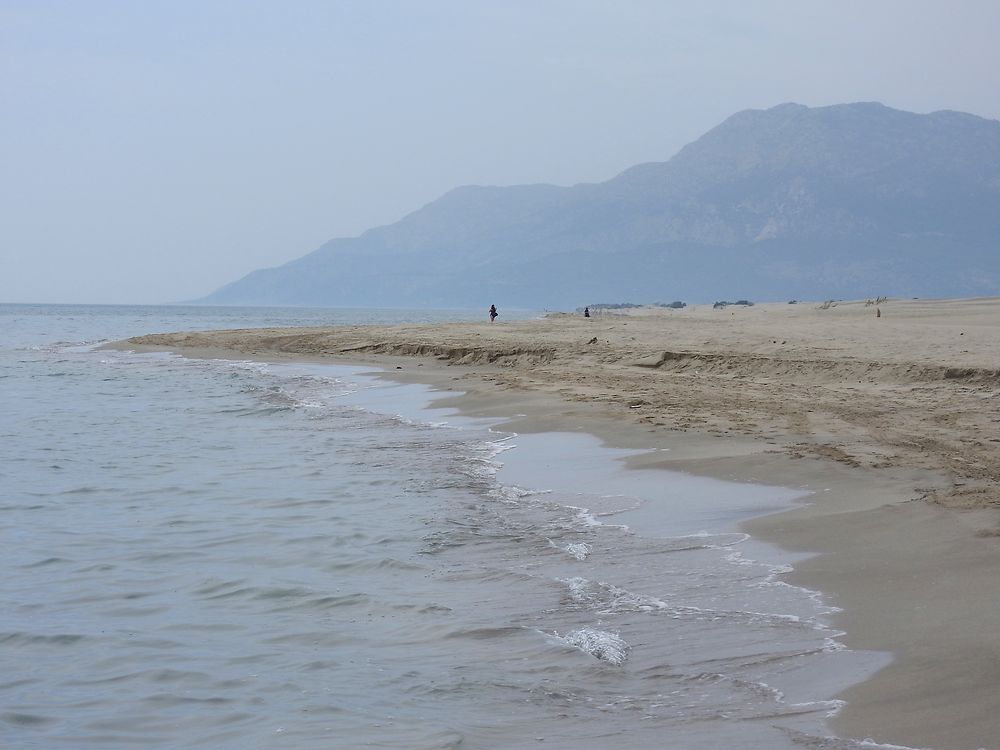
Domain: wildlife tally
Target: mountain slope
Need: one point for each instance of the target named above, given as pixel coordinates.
(851, 200)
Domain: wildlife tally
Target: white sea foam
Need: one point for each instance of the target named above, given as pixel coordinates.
(579, 550)
(587, 518)
(512, 494)
(600, 644)
(608, 599)
(772, 580)
(260, 367)
(835, 743)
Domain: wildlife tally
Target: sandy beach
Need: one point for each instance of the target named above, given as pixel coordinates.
(889, 413)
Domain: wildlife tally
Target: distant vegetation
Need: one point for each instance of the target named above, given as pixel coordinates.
(677, 305)
(742, 302)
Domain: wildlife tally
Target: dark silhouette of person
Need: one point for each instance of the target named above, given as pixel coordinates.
(586, 312)
(493, 313)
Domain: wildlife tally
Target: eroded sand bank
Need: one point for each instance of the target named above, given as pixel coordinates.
(890, 414)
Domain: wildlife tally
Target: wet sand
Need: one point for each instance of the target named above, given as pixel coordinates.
(893, 422)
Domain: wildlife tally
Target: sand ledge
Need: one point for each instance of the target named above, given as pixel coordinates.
(894, 421)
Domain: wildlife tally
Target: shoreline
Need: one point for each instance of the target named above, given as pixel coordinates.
(905, 537)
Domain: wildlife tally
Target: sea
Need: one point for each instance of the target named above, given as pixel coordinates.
(204, 553)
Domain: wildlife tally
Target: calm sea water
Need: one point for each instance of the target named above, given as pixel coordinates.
(215, 554)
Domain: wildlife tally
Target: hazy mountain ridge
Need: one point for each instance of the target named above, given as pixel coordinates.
(844, 201)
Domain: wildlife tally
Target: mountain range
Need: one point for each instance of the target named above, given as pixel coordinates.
(840, 202)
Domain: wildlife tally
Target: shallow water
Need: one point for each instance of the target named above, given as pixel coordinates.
(240, 555)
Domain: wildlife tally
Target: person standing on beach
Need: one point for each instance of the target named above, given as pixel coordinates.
(493, 313)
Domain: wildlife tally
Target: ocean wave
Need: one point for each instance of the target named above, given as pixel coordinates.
(512, 494)
(812, 742)
(601, 644)
(58, 639)
(608, 599)
(578, 550)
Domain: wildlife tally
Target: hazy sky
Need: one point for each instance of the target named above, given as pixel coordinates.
(152, 151)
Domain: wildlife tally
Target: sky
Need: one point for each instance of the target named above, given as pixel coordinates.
(151, 152)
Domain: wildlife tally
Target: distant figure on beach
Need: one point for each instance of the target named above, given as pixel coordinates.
(586, 312)
(493, 313)
(878, 313)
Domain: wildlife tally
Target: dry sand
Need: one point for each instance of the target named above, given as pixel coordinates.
(894, 421)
